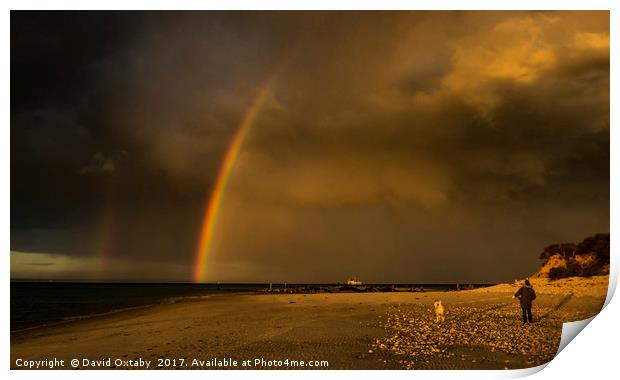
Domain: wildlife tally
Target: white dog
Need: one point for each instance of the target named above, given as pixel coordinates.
(439, 312)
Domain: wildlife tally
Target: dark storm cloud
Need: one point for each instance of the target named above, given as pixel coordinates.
(390, 142)
(54, 52)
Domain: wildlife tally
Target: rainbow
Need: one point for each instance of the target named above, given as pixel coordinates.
(106, 243)
(105, 246)
(227, 166)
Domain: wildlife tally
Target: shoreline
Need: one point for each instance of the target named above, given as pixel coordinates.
(595, 286)
(113, 312)
(346, 329)
(292, 289)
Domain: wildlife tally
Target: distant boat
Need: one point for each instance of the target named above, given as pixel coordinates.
(353, 281)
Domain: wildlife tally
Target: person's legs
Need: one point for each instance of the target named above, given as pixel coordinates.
(529, 314)
(524, 314)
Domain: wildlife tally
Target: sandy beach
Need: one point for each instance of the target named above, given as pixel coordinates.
(348, 330)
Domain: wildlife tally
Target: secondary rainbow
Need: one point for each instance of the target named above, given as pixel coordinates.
(213, 208)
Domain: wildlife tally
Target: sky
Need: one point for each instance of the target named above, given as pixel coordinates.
(411, 147)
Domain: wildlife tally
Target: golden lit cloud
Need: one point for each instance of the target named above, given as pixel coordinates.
(592, 40)
(35, 265)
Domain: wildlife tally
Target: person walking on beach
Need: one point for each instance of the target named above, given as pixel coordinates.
(526, 295)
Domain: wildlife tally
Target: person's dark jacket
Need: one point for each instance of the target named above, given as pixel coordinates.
(526, 295)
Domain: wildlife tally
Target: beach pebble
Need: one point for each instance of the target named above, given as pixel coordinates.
(414, 335)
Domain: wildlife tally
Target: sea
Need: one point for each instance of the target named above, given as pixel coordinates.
(39, 303)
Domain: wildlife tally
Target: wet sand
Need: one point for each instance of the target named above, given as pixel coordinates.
(349, 330)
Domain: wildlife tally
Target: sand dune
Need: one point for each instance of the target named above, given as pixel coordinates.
(595, 286)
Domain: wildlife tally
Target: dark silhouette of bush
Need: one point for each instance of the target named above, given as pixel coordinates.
(592, 270)
(588, 258)
(599, 244)
(565, 250)
(571, 269)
